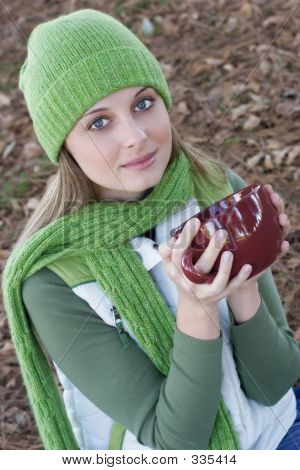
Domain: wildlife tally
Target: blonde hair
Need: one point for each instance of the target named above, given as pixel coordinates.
(69, 188)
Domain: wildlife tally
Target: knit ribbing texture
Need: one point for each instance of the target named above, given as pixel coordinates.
(100, 233)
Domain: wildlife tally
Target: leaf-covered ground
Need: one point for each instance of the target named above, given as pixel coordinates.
(233, 70)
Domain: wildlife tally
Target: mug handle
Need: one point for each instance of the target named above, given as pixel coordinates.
(191, 273)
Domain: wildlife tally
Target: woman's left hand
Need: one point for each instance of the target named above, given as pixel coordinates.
(284, 222)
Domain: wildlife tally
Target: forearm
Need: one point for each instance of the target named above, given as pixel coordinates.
(191, 395)
(267, 359)
(197, 321)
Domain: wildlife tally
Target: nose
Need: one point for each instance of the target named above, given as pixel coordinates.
(133, 134)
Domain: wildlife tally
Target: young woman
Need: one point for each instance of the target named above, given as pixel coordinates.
(94, 288)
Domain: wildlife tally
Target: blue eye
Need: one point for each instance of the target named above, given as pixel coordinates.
(103, 118)
(97, 120)
(145, 99)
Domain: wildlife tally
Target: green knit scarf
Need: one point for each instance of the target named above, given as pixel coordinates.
(99, 233)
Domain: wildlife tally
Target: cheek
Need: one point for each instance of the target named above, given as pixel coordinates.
(88, 153)
(92, 157)
(163, 128)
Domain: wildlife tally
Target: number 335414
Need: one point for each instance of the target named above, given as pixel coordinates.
(210, 459)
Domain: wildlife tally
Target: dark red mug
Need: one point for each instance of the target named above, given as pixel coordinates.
(254, 233)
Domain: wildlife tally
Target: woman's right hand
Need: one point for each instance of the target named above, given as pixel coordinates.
(208, 294)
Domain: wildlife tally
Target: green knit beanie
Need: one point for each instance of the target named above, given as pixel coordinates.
(76, 60)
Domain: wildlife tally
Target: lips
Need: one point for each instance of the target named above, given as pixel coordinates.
(139, 160)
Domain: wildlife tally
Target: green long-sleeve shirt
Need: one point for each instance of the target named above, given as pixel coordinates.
(176, 411)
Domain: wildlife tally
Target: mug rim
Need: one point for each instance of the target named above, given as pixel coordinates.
(251, 188)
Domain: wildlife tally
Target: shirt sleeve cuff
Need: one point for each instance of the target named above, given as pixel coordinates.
(195, 346)
(259, 326)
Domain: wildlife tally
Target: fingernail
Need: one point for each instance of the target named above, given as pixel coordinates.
(247, 268)
(227, 256)
(220, 235)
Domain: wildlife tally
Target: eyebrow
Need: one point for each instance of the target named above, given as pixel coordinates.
(96, 110)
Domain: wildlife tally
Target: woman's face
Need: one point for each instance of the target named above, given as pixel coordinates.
(134, 123)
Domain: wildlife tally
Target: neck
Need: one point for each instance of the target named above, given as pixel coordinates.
(105, 194)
